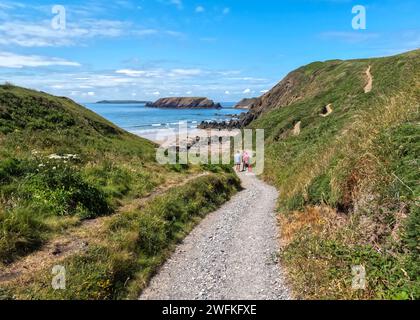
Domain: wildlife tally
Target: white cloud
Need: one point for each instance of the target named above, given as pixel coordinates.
(175, 34)
(145, 32)
(226, 11)
(199, 9)
(11, 60)
(156, 32)
(160, 73)
(27, 34)
(246, 91)
(6, 5)
(264, 91)
(228, 73)
(131, 72)
(148, 82)
(349, 37)
(186, 72)
(251, 79)
(90, 94)
(40, 34)
(177, 3)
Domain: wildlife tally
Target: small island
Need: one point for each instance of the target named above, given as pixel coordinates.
(184, 103)
(122, 102)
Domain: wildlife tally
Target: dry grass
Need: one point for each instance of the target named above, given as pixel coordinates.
(309, 273)
(360, 161)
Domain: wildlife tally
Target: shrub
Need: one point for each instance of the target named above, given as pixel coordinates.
(7, 85)
(21, 231)
(152, 234)
(319, 192)
(9, 168)
(178, 167)
(61, 190)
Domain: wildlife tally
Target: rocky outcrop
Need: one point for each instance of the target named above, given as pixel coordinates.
(222, 125)
(291, 89)
(246, 103)
(184, 103)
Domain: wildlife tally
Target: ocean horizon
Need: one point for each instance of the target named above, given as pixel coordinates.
(153, 122)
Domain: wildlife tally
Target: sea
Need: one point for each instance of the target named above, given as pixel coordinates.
(151, 123)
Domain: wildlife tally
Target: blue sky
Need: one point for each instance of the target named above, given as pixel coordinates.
(225, 50)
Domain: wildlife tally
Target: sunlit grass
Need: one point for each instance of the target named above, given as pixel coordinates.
(350, 161)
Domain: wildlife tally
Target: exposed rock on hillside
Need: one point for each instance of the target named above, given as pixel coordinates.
(246, 103)
(283, 94)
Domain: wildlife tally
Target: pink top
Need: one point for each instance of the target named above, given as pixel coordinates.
(246, 157)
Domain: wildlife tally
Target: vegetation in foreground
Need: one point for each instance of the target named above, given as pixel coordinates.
(132, 245)
(349, 180)
(61, 165)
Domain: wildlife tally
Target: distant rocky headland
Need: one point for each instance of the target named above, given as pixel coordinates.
(246, 103)
(122, 102)
(184, 103)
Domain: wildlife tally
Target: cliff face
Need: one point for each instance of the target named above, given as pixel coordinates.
(185, 103)
(288, 91)
(246, 103)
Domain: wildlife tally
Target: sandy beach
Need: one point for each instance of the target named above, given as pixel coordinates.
(170, 137)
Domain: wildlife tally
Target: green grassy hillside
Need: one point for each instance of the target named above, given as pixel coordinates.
(70, 178)
(348, 174)
(61, 163)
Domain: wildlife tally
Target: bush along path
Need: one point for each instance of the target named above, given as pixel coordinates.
(77, 239)
(126, 249)
(232, 254)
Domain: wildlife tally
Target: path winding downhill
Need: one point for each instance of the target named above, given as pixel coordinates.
(231, 254)
(369, 84)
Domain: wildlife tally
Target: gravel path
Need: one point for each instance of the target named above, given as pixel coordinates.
(230, 255)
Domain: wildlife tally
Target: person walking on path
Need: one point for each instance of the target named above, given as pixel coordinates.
(238, 160)
(250, 162)
(245, 160)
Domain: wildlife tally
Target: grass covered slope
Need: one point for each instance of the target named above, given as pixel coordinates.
(31, 119)
(70, 178)
(61, 163)
(345, 159)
